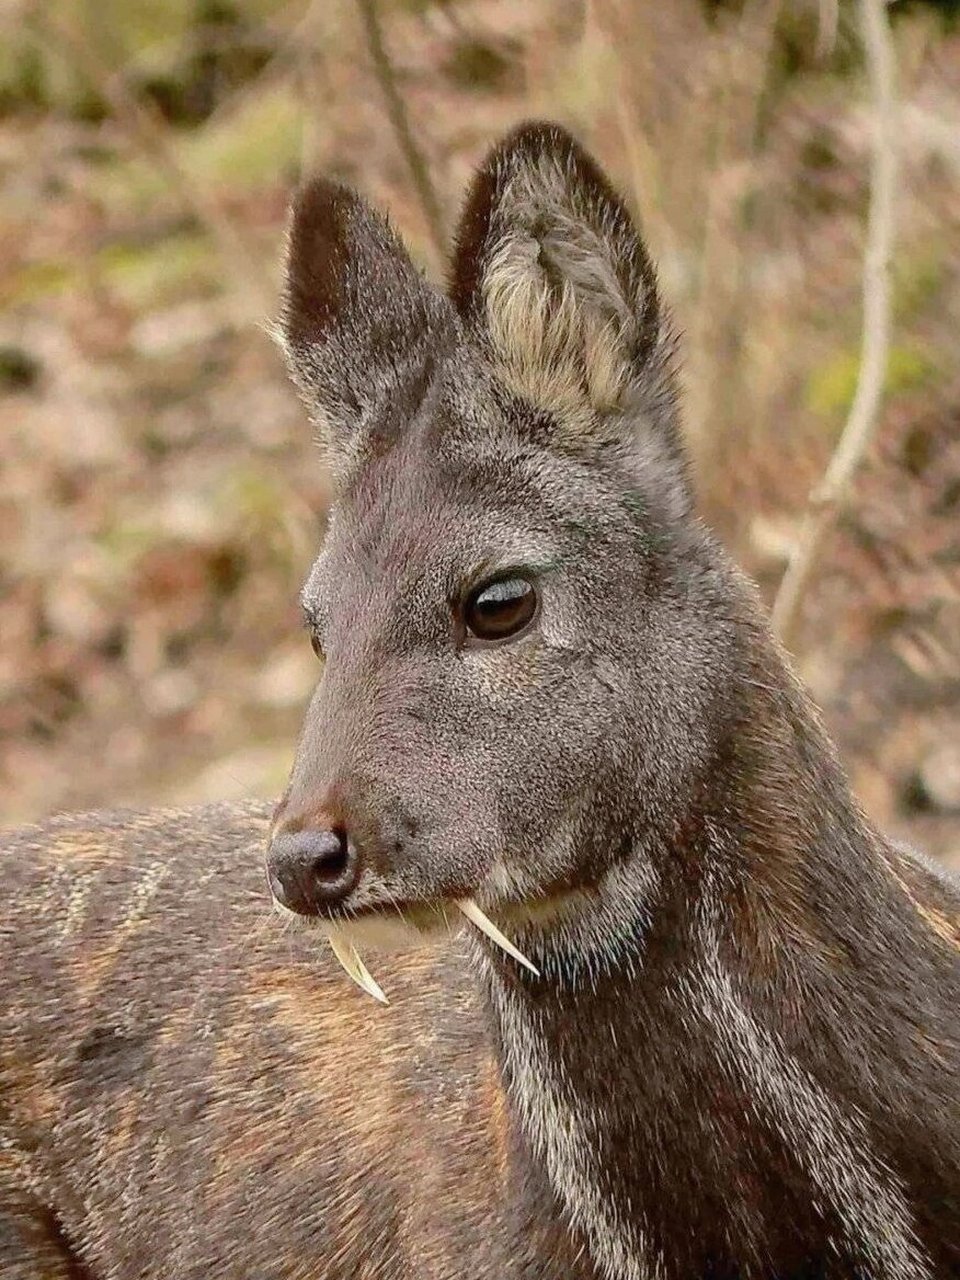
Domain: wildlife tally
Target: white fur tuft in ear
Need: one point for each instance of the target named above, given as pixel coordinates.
(550, 346)
(551, 274)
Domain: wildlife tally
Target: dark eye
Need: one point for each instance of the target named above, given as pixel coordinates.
(500, 609)
(316, 646)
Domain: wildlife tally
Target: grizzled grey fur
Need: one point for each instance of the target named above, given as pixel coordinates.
(739, 1058)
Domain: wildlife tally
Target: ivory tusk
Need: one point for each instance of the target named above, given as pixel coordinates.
(486, 925)
(353, 966)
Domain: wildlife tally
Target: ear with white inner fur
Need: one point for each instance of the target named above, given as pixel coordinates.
(359, 322)
(551, 273)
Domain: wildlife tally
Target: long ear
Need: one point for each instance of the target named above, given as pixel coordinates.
(551, 273)
(359, 322)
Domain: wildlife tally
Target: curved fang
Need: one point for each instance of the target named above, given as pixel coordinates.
(486, 926)
(354, 967)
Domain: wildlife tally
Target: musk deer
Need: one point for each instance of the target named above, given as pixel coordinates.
(720, 1038)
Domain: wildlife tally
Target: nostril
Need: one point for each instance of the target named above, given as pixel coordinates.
(331, 858)
(309, 870)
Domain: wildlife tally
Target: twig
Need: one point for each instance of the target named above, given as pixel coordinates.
(145, 128)
(829, 498)
(397, 110)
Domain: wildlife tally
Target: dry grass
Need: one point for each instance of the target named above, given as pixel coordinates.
(159, 500)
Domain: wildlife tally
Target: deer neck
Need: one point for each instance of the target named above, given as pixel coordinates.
(660, 1070)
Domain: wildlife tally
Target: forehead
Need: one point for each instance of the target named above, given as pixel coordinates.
(458, 492)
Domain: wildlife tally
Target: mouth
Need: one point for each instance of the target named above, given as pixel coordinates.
(418, 920)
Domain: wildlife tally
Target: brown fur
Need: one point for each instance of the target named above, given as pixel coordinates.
(220, 1101)
(739, 1059)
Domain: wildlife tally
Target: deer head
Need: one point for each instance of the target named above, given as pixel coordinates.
(523, 625)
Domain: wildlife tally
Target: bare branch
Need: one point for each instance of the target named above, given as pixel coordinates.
(831, 495)
(397, 110)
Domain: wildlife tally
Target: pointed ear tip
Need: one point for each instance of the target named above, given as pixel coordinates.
(528, 145)
(320, 210)
(318, 189)
(533, 138)
(523, 145)
(318, 207)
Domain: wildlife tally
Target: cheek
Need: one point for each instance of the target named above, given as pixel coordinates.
(516, 680)
(509, 744)
(545, 709)
(448, 790)
(562, 622)
(552, 756)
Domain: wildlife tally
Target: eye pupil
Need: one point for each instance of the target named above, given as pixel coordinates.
(315, 645)
(500, 609)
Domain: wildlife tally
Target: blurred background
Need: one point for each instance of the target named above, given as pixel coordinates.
(160, 495)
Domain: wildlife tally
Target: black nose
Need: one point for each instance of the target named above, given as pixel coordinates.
(311, 870)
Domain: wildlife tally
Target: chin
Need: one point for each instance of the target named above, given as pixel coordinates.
(411, 924)
(390, 928)
(396, 928)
